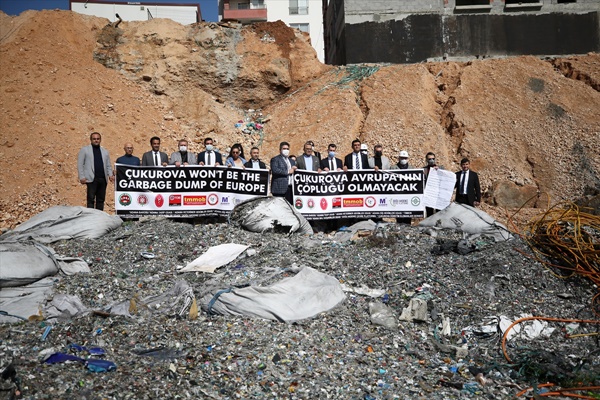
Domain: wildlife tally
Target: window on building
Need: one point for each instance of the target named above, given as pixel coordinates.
(243, 6)
(460, 3)
(298, 7)
(302, 27)
(258, 4)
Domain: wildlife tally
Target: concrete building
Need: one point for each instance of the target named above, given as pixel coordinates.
(184, 12)
(306, 15)
(408, 31)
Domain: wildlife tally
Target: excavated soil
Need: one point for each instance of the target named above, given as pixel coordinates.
(531, 127)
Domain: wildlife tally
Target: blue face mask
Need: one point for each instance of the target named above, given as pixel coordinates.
(332, 154)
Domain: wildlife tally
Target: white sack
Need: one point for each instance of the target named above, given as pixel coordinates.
(472, 221)
(25, 262)
(303, 296)
(215, 257)
(24, 301)
(64, 307)
(64, 222)
(262, 214)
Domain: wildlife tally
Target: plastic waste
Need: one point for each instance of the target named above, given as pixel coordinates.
(382, 315)
(96, 365)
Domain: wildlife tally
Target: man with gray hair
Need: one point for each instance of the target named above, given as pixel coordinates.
(95, 170)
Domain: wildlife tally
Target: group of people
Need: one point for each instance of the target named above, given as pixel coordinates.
(94, 158)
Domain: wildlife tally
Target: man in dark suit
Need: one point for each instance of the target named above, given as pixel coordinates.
(356, 160)
(254, 162)
(282, 169)
(467, 185)
(210, 157)
(155, 157)
(331, 163)
(308, 161)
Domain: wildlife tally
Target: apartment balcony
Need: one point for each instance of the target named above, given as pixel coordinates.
(245, 12)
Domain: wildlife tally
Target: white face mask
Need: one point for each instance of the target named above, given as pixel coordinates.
(209, 147)
(285, 152)
(183, 149)
(403, 162)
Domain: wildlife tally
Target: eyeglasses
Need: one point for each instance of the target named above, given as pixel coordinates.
(235, 152)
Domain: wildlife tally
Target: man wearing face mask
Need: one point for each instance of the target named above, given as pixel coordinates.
(379, 161)
(331, 163)
(402, 161)
(282, 169)
(403, 164)
(183, 156)
(431, 164)
(210, 157)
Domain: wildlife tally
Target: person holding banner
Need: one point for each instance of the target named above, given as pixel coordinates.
(356, 159)
(183, 156)
(307, 161)
(282, 169)
(95, 170)
(210, 157)
(155, 157)
(379, 161)
(254, 162)
(128, 158)
(331, 163)
(235, 159)
(467, 185)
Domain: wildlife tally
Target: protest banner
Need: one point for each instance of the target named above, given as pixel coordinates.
(359, 194)
(185, 192)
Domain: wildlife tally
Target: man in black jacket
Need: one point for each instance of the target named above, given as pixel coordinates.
(356, 160)
(254, 161)
(467, 185)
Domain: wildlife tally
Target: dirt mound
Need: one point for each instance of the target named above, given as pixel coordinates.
(528, 125)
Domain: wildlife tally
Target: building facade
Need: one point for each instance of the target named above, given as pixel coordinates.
(306, 15)
(184, 13)
(408, 31)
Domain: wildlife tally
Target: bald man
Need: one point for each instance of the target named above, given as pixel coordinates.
(128, 158)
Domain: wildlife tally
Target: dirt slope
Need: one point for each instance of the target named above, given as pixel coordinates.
(530, 126)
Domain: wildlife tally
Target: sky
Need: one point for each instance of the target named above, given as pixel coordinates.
(16, 7)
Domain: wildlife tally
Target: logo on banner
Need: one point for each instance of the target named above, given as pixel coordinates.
(213, 199)
(370, 201)
(310, 203)
(323, 204)
(382, 202)
(142, 200)
(224, 200)
(394, 202)
(415, 201)
(336, 202)
(194, 200)
(174, 200)
(354, 202)
(159, 201)
(125, 199)
(298, 204)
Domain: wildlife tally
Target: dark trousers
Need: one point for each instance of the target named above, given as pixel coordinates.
(96, 192)
(429, 211)
(462, 199)
(288, 195)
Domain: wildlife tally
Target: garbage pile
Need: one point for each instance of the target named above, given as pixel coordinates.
(392, 312)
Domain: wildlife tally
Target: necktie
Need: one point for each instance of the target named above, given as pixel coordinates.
(156, 159)
(356, 162)
(462, 183)
(208, 159)
(332, 164)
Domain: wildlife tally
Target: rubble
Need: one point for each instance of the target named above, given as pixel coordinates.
(358, 349)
